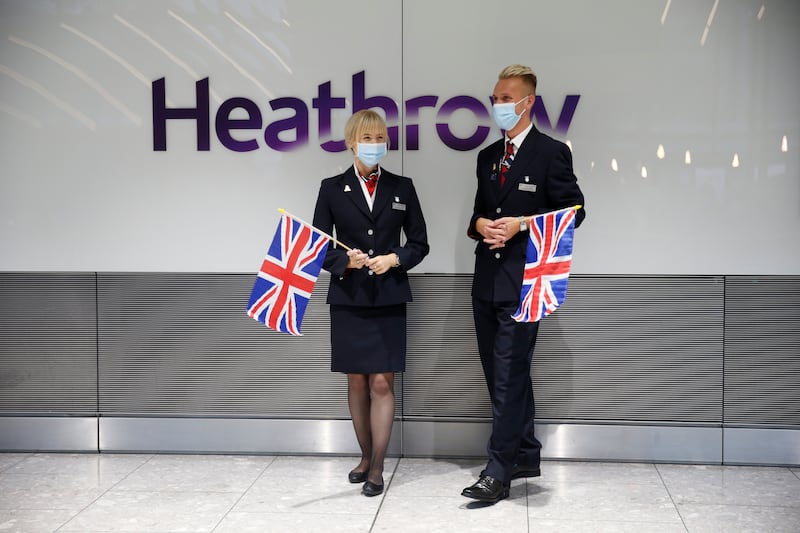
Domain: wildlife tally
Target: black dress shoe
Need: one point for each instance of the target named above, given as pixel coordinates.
(357, 477)
(525, 471)
(372, 489)
(486, 489)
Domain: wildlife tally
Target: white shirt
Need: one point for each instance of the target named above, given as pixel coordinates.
(517, 140)
(370, 198)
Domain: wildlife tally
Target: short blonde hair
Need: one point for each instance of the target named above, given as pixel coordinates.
(361, 121)
(526, 74)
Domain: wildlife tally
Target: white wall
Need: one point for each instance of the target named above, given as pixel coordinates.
(82, 188)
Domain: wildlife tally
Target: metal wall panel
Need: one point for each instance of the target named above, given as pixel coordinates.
(48, 343)
(183, 345)
(620, 349)
(762, 351)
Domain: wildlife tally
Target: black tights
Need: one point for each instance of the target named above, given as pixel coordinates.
(371, 401)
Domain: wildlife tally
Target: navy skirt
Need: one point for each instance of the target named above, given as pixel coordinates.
(368, 340)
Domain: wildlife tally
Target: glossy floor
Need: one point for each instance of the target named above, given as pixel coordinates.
(193, 493)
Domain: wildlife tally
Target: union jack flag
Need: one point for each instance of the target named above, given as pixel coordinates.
(547, 264)
(288, 275)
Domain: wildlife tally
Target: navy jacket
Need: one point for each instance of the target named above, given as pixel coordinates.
(539, 180)
(341, 207)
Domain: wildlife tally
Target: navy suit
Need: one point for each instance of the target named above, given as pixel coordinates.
(539, 180)
(341, 204)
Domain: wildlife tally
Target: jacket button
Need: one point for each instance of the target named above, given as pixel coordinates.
(370, 232)
(371, 273)
(497, 255)
(370, 251)
(499, 209)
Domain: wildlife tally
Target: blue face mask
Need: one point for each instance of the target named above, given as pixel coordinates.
(505, 115)
(371, 154)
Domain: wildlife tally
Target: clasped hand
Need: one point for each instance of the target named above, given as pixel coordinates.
(497, 232)
(378, 264)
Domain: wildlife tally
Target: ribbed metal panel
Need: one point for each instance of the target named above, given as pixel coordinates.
(620, 349)
(633, 349)
(443, 376)
(182, 344)
(48, 343)
(762, 351)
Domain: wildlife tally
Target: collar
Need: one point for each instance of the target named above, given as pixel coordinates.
(364, 178)
(520, 137)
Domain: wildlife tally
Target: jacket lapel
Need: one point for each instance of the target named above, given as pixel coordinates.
(519, 164)
(386, 187)
(351, 187)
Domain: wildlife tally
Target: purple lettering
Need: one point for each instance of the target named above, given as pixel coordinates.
(299, 123)
(224, 123)
(384, 102)
(412, 114)
(443, 129)
(200, 113)
(324, 102)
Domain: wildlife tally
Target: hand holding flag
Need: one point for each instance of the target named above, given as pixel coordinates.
(547, 264)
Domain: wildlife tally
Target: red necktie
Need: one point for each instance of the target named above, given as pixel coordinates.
(507, 159)
(371, 181)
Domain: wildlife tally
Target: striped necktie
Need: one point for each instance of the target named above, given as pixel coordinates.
(507, 159)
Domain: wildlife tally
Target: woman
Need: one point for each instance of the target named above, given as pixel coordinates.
(368, 207)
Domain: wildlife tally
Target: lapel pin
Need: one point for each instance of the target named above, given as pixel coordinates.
(346, 188)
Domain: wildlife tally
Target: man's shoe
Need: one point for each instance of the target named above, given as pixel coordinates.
(525, 471)
(486, 489)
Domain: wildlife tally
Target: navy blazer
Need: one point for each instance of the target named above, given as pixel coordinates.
(539, 180)
(341, 206)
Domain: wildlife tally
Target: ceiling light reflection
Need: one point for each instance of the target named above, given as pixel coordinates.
(709, 22)
(761, 12)
(735, 162)
(29, 120)
(614, 165)
(687, 157)
(225, 56)
(91, 82)
(784, 144)
(644, 171)
(175, 59)
(660, 151)
(262, 43)
(666, 10)
(55, 100)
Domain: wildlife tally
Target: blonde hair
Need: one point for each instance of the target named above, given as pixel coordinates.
(362, 121)
(526, 74)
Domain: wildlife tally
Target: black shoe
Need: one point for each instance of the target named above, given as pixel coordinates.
(486, 489)
(525, 471)
(357, 477)
(372, 489)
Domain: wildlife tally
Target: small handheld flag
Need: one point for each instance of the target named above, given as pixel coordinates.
(288, 275)
(547, 265)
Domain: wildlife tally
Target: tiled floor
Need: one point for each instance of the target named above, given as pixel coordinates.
(193, 493)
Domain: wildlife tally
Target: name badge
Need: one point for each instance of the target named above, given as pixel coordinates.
(398, 206)
(528, 187)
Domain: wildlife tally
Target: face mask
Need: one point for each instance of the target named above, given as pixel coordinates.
(371, 154)
(505, 116)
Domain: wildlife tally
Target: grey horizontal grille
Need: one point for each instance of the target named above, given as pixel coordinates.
(48, 343)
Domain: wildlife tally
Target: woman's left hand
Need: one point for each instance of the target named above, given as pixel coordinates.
(380, 264)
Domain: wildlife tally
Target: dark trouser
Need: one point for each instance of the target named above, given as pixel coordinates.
(506, 350)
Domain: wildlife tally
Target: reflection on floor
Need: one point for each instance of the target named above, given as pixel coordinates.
(193, 493)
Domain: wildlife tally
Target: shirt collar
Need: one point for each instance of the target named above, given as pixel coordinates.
(517, 140)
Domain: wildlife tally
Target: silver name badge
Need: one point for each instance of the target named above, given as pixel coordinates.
(398, 206)
(528, 187)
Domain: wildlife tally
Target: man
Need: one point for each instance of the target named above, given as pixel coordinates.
(524, 174)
